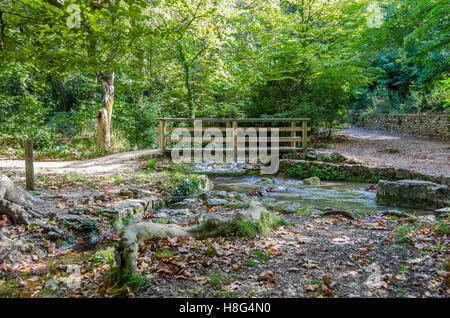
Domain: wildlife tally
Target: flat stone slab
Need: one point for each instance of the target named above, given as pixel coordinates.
(417, 194)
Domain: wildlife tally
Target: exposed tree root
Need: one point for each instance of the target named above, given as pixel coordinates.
(406, 216)
(20, 206)
(10, 192)
(397, 214)
(339, 212)
(126, 253)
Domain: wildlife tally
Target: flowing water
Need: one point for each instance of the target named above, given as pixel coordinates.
(293, 194)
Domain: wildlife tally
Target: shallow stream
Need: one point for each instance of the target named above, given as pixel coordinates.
(295, 195)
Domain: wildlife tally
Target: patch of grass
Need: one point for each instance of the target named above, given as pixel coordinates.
(261, 255)
(102, 257)
(401, 233)
(251, 262)
(263, 226)
(164, 253)
(440, 246)
(118, 280)
(246, 229)
(391, 150)
(323, 146)
(439, 227)
(303, 211)
(226, 294)
(178, 184)
(121, 222)
(215, 278)
(403, 268)
(151, 164)
(117, 179)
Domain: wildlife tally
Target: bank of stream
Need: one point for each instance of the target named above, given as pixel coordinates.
(314, 256)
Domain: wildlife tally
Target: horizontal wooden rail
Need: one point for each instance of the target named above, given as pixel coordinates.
(224, 120)
(239, 139)
(233, 133)
(224, 129)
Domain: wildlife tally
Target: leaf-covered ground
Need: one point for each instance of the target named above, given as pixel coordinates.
(374, 256)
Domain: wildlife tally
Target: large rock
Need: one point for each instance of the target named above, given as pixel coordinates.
(214, 202)
(264, 181)
(416, 194)
(312, 181)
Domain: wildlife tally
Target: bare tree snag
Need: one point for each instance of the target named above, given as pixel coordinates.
(104, 115)
(126, 253)
(103, 130)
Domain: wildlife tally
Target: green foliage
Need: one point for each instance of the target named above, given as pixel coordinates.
(164, 253)
(102, 257)
(270, 59)
(306, 170)
(440, 227)
(215, 278)
(401, 233)
(178, 184)
(151, 164)
(392, 150)
(263, 226)
(261, 255)
(251, 263)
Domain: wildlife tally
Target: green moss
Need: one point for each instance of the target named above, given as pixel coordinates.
(392, 150)
(306, 170)
(264, 226)
(177, 184)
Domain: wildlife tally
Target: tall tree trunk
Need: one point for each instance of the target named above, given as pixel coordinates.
(67, 100)
(187, 79)
(104, 115)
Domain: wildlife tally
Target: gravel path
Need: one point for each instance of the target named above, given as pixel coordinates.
(107, 165)
(418, 153)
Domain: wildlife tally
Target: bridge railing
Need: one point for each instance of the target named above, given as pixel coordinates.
(287, 128)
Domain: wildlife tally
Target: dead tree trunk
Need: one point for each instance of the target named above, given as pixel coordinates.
(104, 115)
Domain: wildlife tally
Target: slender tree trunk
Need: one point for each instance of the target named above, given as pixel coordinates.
(104, 115)
(67, 101)
(187, 79)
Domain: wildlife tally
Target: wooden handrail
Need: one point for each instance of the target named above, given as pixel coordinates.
(232, 126)
(223, 120)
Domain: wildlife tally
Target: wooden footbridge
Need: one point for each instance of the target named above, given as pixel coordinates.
(291, 132)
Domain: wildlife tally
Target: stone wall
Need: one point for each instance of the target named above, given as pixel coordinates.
(436, 125)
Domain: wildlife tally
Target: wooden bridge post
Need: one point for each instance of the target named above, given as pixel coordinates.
(293, 134)
(29, 169)
(162, 136)
(304, 134)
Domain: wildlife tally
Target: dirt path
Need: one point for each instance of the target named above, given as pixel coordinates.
(421, 154)
(418, 153)
(107, 165)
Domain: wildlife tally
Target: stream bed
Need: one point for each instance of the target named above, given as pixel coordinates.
(293, 195)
